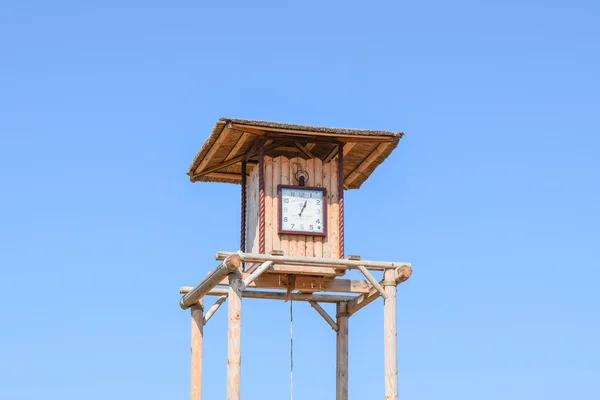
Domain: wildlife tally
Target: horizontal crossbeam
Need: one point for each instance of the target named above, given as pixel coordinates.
(313, 261)
(256, 294)
(230, 264)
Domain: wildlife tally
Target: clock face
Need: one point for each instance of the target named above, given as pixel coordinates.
(302, 210)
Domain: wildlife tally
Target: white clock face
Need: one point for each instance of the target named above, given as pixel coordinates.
(303, 210)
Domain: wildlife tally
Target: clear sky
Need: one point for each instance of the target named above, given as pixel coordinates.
(492, 194)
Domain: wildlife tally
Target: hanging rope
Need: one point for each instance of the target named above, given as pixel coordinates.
(291, 352)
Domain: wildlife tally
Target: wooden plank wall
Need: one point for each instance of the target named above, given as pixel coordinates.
(252, 234)
(281, 170)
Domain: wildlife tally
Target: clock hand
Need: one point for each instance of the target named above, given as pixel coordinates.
(303, 207)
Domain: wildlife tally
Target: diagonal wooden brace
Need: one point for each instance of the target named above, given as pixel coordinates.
(373, 281)
(213, 309)
(324, 314)
(257, 272)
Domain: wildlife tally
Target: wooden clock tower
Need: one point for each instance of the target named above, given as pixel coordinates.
(292, 179)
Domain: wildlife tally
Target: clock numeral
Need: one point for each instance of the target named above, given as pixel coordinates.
(302, 194)
(318, 222)
(284, 219)
(285, 209)
(293, 226)
(318, 202)
(312, 228)
(286, 200)
(293, 194)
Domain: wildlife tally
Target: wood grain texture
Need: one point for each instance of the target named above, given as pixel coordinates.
(213, 150)
(285, 180)
(373, 281)
(230, 264)
(363, 167)
(390, 338)
(269, 222)
(334, 207)
(275, 203)
(307, 284)
(309, 240)
(341, 375)
(326, 173)
(196, 351)
(254, 208)
(213, 309)
(259, 294)
(324, 262)
(241, 141)
(234, 335)
(318, 181)
(300, 240)
(324, 314)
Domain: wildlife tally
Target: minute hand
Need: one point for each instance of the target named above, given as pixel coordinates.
(303, 207)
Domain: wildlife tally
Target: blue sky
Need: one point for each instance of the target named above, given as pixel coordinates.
(492, 194)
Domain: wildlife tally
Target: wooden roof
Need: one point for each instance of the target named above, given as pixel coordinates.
(234, 140)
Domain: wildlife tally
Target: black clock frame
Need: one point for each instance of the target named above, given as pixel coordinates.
(302, 233)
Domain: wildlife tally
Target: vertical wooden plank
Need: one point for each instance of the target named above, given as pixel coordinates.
(300, 239)
(293, 239)
(318, 181)
(276, 176)
(334, 228)
(196, 351)
(261, 198)
(341, 375)
(268, 204)
(326, 185)
(252, 234)
(310, 169)
(390, 337)
(234, 303)
(285, 180)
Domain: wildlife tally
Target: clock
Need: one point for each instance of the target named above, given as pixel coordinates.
(302, 210)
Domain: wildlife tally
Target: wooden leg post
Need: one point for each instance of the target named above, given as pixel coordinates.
(196, 351)
(390, 337)
(234, 335)
(341, 386)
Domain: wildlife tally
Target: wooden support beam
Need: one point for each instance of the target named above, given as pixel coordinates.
(234, 360)
(263, 129)
(310, 146)
(213, 309)
(365, 164)
(241, 141)
(323, 314)
(330, 155)
(341, 374)
(348, 147)
(257, 272)
(390, 337)
(257, 294)
(225, 175)
(231, 161)
(213, 150)
(196, 351)
(307, 283)
(229, 264)
(304, 150)
(339, 263)
(360, 302)
(373, 281)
